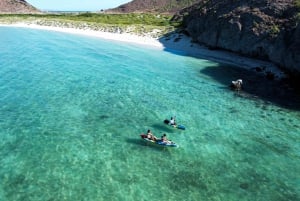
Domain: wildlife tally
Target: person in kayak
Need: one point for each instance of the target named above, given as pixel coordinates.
(164, 138)
(172, 121)
(150, 136)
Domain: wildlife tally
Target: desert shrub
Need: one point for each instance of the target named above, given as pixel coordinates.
(118, 19)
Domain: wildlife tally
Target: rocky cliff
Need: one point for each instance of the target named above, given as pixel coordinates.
(16, 6)
(265, 29)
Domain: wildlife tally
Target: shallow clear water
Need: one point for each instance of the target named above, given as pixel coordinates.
(72, 109)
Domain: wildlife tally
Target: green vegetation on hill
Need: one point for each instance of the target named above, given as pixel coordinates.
(140, 24)
(117, 19)
(145, 19)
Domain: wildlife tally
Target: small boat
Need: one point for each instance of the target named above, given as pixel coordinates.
(159, 142)
(167, 121)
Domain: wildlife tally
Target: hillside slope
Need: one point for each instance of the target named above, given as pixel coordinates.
(266, 29)
(16, 6)
(162, 6)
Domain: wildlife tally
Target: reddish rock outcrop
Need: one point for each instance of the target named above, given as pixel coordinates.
(165, 6)
(16, 7)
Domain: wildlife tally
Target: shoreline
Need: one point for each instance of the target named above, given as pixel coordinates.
(174, 42)
(124, 37)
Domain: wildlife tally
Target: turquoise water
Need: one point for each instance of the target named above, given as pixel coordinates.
(72, 109)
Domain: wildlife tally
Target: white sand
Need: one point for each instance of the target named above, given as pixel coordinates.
(177, 42)
(124, 37)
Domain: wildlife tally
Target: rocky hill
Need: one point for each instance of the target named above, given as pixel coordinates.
(266, 29)
(16, 6)
(161, 6)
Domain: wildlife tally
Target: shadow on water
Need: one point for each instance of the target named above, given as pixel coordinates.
(144, 144)
(163, 128)
(255, 84)
(136, 141)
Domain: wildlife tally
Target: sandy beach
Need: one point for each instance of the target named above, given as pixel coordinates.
(175, 41)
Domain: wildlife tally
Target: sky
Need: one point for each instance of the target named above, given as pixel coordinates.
(76, 5)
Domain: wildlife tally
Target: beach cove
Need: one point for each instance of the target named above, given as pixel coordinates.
(73, 107)
(172, 42)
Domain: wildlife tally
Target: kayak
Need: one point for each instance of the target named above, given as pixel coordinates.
(159, 142)
(167, 121)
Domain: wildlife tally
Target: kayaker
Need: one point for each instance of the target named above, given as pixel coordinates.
(164, 138)
(150, 136)
(172, 121)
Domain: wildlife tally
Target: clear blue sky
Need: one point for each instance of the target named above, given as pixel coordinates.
(76, 5)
